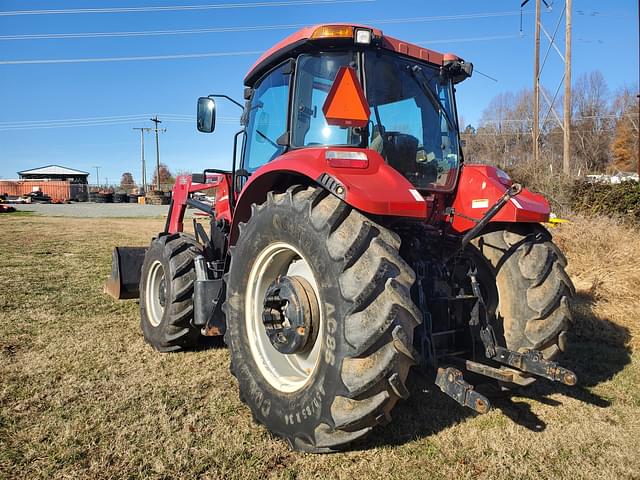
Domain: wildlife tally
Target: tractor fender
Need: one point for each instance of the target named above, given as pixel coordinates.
(481, 186)
(372, 187)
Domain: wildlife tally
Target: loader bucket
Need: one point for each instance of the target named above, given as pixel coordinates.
(126, 265)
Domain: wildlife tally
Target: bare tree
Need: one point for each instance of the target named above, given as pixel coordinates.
(503, 135)
(593, 121)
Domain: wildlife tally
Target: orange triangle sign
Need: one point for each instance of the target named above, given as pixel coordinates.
(345, 105)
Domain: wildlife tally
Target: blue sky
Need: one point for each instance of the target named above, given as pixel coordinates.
(605, 38)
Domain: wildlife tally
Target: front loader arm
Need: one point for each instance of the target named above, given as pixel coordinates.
(181, 197)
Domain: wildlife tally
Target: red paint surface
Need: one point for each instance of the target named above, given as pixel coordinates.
(480, 182)
(388, 43)
(377, 189)
(183, 187)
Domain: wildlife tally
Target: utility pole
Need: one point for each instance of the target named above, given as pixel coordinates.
(565, 123)
(156, 121)
(97, 174)
(144, 167)
(536, 88)
(566, 154)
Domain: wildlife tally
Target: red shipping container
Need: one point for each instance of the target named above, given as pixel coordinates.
(58, 190)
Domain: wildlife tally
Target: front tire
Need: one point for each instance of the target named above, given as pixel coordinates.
(347, 380)
(166, 293)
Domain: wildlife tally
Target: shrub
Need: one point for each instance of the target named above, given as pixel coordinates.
(613, 200)
(538, 177)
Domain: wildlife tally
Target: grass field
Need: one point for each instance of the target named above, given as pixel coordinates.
(82, 395)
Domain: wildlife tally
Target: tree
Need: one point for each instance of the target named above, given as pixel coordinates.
(166, 178)
(126, 182)
(593, 123)
(625, 148)
(503, 136)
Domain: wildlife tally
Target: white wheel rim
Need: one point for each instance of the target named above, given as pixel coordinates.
(154, 307)
(286, 373)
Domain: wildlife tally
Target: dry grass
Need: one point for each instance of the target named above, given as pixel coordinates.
(82, 396)
(604, 263)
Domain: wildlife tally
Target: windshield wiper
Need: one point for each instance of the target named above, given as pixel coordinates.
(435, 101)
(267, 138)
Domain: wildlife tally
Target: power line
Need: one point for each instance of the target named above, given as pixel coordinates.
(128, 59)
(245, 28)
(197, 55)
(107, 118)
(114, 117)
(82, 125)
(585, 117)
(469, 39)
(148, 33)
(173, 8)
(65, 125)
(101, 121)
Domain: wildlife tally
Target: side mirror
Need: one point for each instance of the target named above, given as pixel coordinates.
(206, 115)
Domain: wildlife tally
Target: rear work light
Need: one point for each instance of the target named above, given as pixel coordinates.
(333, 31)
(363, 36)
(346, 159)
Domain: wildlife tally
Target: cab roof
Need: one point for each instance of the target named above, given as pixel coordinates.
(304, 39)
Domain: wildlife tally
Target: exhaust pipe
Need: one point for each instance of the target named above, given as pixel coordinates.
(126, 267)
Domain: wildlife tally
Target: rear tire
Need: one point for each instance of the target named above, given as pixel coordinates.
(366, 320)
(166, 293)
(533, 288)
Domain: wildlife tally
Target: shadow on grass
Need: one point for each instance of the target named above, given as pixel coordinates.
(596, 352)
(207, 343)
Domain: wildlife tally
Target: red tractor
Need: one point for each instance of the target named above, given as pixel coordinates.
(349, 242)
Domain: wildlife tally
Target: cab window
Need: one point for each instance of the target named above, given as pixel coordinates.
(314, 78)
(267, 120)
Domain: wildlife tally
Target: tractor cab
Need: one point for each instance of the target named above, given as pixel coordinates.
(352, 87)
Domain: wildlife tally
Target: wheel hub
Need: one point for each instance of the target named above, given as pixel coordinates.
(290, 314)
(162, 292)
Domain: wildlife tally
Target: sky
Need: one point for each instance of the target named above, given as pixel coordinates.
(81, 115)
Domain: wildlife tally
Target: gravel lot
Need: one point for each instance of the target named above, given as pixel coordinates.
(98, 210)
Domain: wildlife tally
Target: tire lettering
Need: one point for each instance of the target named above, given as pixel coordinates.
(330, 342)
(329, 357)
(310, 410)
(332, 326)
(266, 407)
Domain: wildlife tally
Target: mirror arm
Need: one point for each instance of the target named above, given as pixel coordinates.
(232, 187)
(228, 98)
